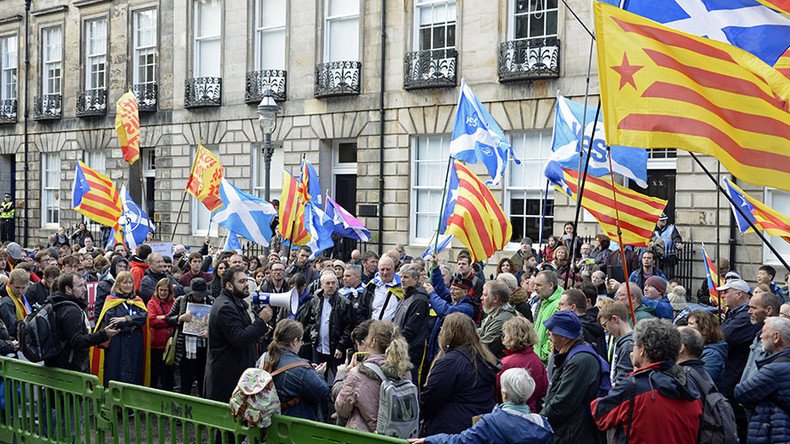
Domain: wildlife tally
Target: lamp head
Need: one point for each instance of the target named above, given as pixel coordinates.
(267, 112)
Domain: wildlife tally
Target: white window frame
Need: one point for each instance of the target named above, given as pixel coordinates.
(420, 5)
(145, 44)
(511, 26)
(258, 187)
(270, 31)
(95, 50)
(148, 156)
(341, 168)
(96, 160)
(9, 64)
(197, 209)
(439, 144)
(769, 198)
(52, 68)
(518, 139)
(329, 20)
(199, 38)
(50, 192)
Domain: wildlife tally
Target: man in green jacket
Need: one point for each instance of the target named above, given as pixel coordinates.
(548, 288)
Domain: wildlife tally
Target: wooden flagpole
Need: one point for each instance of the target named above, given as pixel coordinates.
(620, 237)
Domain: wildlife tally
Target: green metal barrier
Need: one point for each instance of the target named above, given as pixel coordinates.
(287, 430)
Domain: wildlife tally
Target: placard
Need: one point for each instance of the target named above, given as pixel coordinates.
(91, 296)
(163, 248)
(198, 326)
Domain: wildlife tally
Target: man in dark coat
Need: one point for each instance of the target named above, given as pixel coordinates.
(157, 270)
(39, 292)
(412, 316)
(231, 336)
(575, 300)
(69, 301)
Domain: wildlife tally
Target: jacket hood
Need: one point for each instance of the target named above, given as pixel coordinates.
(518, 296)
(591, 326)
(417, 289)
(670, 380)
(381, 361)
(771, 358)
(58, 296)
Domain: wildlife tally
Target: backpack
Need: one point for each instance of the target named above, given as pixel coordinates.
(38, 333)
(717, 423)
(255, 400)
(399, 408)
(605, 383)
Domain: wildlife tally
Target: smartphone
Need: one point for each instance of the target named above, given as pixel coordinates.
(361, 356)
(349, 352)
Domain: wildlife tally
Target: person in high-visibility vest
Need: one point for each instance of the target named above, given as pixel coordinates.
(7, 218)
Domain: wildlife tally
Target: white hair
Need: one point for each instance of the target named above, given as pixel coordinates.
(328, 273)
(508, 279)
(518, 384)
(780, 324)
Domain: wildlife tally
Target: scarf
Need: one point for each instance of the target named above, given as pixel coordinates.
(378, 282)
(22, 308)
(521, 408)
(347, 292)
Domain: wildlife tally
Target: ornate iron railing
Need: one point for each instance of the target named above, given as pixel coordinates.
(92, 103)
(337, 79)
(203, 92)
(435, 68)
(529, 59)
(259, 81)
(48, 107)
(147, 96)
(8, 111)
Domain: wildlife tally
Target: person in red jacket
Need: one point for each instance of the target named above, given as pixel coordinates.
(519, 339)
(158, 308)
(658, 401)
(138, 265)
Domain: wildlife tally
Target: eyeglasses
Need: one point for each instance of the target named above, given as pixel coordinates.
(606, 322)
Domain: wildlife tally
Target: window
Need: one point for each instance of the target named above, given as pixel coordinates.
(342, 31)
(780, 201)
(96, 54)
(95, 159)
(145, 51)
(201, 217)
(435, 24)
(259, 173)
(269, 34)
(50, 189)
(52, 59)
(8, 67)
(208, 33)
(148, 156)
(429, 162)
(533, 19)
(526, 185)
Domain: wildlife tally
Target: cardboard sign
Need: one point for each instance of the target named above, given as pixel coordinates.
(92, 288)
(163, 248)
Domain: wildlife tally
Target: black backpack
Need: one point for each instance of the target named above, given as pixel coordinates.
(717, 423)
(38, 334)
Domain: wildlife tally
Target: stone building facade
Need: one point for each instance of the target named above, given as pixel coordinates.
(199, 68)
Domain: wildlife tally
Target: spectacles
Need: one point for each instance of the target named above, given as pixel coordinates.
(605, 323)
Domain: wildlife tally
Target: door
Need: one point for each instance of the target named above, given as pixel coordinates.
(346, 197)
(661, 184)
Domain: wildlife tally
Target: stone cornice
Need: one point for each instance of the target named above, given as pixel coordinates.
(52, 10)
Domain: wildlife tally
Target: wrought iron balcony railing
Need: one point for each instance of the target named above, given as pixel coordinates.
(147, 95)
(334, 79)
(48, 107)
(259, 81)
(92, 103)
(434, 68)
(8, 111)
(201, 92)
(529, 59)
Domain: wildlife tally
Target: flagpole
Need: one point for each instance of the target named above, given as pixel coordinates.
(718, 238)
(543, 205)
(741, 212)
(178, 218)
(580, 142)
(441, 208)
(620, 236)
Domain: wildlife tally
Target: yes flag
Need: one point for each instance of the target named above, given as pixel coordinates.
(127, 127)
(761, 215)
(205, 178)
(320, 226)
(94, 196)
(629, 162)
(712, 274)
(345, 224)
(134, 221)
(477, 137)
(245, 214)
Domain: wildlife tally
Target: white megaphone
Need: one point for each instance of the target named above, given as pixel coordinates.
(288, 300)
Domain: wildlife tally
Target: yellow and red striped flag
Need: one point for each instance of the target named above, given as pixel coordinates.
(127, 127)
(783, 64)
(205, 178)
(291, 212)
(761, 215)
(638, 213)
(778, 5)
(477, 220)
(95, 196)
(714, 280)
(664, 88)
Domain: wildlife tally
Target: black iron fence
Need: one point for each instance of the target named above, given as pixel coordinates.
(529, 59)
(334, 79)
(434, 68)
(202, 92)
(259, 81)
(8, 111)
(147, 95)
(48, 107)
(92, 103)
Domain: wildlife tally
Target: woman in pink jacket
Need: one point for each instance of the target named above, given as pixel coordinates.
(357, 404)
(519, 337)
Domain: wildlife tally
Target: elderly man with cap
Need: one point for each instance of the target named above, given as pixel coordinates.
(577, 375)
(7, 218)
(655, 292)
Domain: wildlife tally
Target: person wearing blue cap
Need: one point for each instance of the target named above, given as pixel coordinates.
(579, 376)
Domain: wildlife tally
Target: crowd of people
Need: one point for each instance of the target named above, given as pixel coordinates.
(552, 347)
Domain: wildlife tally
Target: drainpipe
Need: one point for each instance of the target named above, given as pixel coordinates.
(381, 128)
(27, 116)
(733, 234)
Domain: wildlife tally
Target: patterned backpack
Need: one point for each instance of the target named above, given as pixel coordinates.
(255, 400)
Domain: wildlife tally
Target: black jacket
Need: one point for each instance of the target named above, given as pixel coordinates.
(37, 293)
(739, 333)
(6, 347)
(231, 345)
(179, 308)
(412, 319)
(340, 321)
(73, 329)
(148, 284)
(592, 332)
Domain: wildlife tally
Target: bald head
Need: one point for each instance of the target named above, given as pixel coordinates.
(386, 268)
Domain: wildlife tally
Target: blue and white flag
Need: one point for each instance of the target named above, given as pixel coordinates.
(320, 227)
(245, 214)
(747, 24)
(629, 162)
(136, 224)
(477, 137)
(444, 241)
(232, 243)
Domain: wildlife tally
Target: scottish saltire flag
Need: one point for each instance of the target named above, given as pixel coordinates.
(477, 137)
(135, 222)
(245, 214)
(346, 225)
(451, 198)
(232, 242)
(309, 187)
(320, 227)
(747, 24)
(629, 162)
(444, 241)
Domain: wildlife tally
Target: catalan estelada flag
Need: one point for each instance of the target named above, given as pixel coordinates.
(783, 64)
(309, 188)
(95, 196)
(477, 220)
(638, 213)
(779, 5)
(761, 215)
(205, 178)
(127, 127)
(664, 88)
(713, 277)
(291, 212)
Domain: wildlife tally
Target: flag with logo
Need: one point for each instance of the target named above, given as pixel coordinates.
(205, 178)
(761, 215)
(94, 196)
(345, 224)
(663, 88)
(135, 222)
(245, 214)
(127, 127)
(712, 274)
(292, 213)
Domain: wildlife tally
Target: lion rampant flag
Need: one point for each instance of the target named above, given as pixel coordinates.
(127, 126)
(205, 178)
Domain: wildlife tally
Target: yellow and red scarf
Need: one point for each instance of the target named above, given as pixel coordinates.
(97, 353)
(20, 309)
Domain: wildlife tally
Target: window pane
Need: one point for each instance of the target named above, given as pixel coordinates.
(209, 57)
(209, 23)
(273, 13)
(343, 39)
(273, 49)
(347, 153)
(343, 7)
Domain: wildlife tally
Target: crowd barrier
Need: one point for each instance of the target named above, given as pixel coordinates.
(46, 405)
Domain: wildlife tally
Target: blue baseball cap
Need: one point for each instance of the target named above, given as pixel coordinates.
(565, 324)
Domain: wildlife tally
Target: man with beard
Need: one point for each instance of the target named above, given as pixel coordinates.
(232, 336)
(496, 295)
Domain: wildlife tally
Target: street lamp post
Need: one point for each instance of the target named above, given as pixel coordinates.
(267, 119)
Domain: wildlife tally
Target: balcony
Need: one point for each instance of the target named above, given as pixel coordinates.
(48, 107)
(92, 103)
(259, 81)
(334, 79)
(203, 92)
(8, 111)
(530, 59)
(147, 95)
(433, 68)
